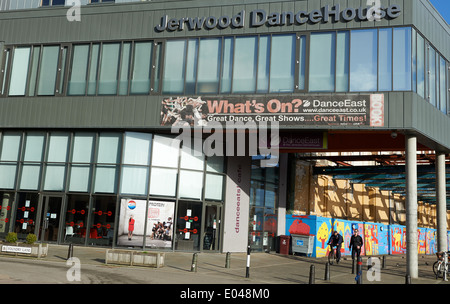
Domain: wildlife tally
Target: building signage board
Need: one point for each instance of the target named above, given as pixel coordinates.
(260, 17)
(330, 110)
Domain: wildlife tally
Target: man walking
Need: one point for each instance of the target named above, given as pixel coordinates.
(356, 243)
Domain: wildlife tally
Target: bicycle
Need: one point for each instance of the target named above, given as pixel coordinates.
(439, 267)
(332, 257)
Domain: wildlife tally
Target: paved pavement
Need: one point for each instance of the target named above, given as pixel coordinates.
(272, 271)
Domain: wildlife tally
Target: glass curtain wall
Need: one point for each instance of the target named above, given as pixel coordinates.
(90, 172)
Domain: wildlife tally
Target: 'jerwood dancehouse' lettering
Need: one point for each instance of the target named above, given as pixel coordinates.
(260, 17)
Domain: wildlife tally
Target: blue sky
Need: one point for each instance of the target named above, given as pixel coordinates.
(443, 6)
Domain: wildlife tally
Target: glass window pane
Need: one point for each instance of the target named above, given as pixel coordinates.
(105, 179)
(245, 61)
(34, 145)
(19, 72)
(108, 148)
(174, 65)
(157, 69)
(107, 84)
(343, 64)
(191, 159)
(10, 147)
(302, 64)
(77, 82)
(134, 180)
(385, 60)
(402, 59)
(163, 182)
(442, 85)
(140, 81)
(363, 60)
(322, 62)
(432, 76)
(209, 66)
(57, 150)
(263, 64)
(420, 66)
(31, 174)
(165, 151)
(414, 60)
(215, 164)
(124, 69)
(191, 66)
(227, 65)
(34, 70)
(7, 176)
(282, 64)
(137, 148)
(92, 88)
(82, 148)
(54, 178)
(213, 187)
(48, 70)
(79, 178)
(191, 184)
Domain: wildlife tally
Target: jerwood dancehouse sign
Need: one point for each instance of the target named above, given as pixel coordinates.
(260, 17)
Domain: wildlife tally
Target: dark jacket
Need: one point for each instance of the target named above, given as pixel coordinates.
(336, 240)
(356, 240)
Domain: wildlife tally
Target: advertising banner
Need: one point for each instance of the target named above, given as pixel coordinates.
(331, 110)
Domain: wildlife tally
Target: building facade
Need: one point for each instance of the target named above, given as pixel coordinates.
(96, 100)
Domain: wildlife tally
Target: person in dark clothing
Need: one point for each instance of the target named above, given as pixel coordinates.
(336, 240)
(356, 243)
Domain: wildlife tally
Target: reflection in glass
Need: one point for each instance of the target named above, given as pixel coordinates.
(227, 65)
(363, 60)
(191, 66)
(209, 65)
(19, 72)
(385, 60)
(107, 84)
(402, 59)
(77, 81)
(420, 66)
(245, 61)
(322, 62)
(124, 68)
(263, 64)
(432, 76)
(282, 64)
(140, 81)
(48, 70)
(174, 65)
(343, 60)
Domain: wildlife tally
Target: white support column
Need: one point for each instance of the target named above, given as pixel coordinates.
(441, 202)
(411, 207)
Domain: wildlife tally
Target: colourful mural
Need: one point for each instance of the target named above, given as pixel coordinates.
(421, 242)
(431, 241)
(397, 239)
(378, 238)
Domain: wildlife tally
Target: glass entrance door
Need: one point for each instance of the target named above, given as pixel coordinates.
(50, 218)
(211, 227)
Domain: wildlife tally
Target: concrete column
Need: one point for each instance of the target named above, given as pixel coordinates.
(411, 207)
(441, 196)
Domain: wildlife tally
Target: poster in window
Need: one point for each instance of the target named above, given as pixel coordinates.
(131, 222)
(160, 224)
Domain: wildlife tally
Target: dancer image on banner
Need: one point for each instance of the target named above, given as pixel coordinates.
(130, 227)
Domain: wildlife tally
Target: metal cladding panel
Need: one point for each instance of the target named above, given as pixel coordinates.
(137, 20)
